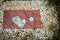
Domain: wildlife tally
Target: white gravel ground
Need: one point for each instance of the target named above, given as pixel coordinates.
(46, 16)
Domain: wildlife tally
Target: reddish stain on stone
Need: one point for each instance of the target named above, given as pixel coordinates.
(23, 14)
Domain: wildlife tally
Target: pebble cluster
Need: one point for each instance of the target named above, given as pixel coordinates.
(46, 17)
